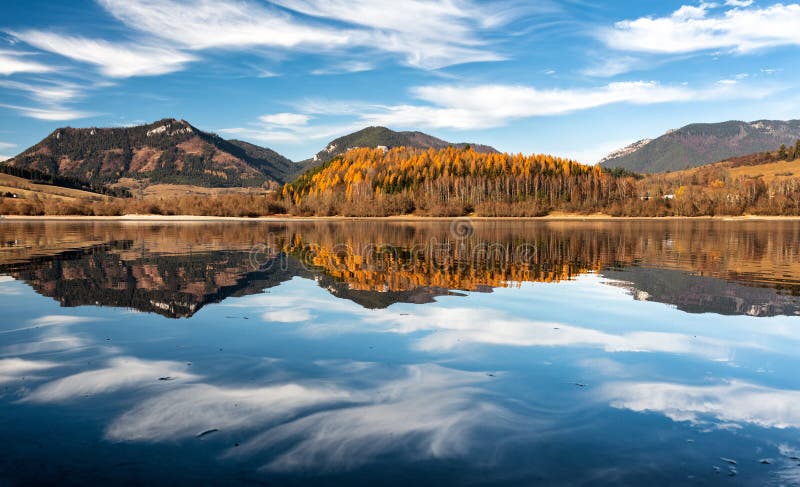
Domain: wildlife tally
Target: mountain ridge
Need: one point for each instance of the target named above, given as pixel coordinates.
(168, 150)
(377, 136)
(173, 151)
(705, 143)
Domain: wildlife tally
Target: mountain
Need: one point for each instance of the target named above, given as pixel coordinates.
(381, 136)
(628, 149)
(267, 160)
(166, 151)
(704, 143)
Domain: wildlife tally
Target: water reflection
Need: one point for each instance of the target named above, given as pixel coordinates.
(175, 270)
(729, 404)
(353, 353)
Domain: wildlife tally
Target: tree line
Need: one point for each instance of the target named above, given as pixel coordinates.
(460, 181)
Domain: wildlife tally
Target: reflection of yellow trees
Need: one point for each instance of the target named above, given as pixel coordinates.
(396, 256)
(445, 265)
(393, 255)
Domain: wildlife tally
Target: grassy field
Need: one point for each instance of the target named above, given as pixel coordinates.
(137, 188)
(767, 171)
(26, 189)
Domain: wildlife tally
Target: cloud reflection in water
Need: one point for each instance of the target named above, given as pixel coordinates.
(734, 402)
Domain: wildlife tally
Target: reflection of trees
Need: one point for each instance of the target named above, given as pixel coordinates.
(174, 269)
(398, 256)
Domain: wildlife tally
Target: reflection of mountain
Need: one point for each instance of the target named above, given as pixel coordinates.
(175, 269)
(173, 286)
(177, 286)
(699, 294)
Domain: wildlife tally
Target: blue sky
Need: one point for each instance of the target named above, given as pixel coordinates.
(568, 77)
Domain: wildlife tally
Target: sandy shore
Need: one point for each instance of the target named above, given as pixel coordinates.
(402, 218)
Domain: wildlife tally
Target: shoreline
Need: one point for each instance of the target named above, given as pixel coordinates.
(565, 217)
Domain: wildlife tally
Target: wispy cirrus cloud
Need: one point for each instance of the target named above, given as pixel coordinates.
(12, 369)
(51, 114)
(46, 92)
(344, 68)
(14, 62)
(426, 34)
(120, 373)
(739, 28)
(53, 97)
(464, 107)
(226, 24)
(114, 59)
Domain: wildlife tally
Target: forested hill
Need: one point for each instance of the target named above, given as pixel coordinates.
(372, 137)
(703, 143)
(166, 151)
(451, 181)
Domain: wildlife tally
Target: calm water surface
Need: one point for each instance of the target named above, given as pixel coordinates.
(463, 353)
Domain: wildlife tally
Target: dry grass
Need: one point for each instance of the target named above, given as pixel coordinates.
(769, 171)
(156, 191)
(26, 189)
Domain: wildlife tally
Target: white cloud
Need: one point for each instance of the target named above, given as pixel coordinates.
(432, 412)
(49, 93)
(481, 106)
(691, 29)
(291, 133)
(732, 402)
(52, 320)
(46, 343)
(121, 373)
(425, 411)
(52, 114)
(6, 145)
(428, 34)
(284, 119)
(52, 95)
(12, 369)
(344, 68)
(117, 60)
(11, 62)
(287, 315)
(208, 24)
(445, 329)
(457, 327)
(264, 73)
(190, 410)
(613, 66)
(476, 107)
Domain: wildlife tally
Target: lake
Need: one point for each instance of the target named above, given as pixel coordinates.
(399, 353)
